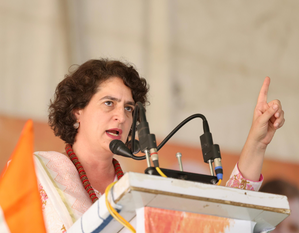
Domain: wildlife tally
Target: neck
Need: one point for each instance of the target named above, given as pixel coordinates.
(92, 158)
(100, 186)
(97, 165)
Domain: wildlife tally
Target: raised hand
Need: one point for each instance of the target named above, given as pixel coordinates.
(267, 118)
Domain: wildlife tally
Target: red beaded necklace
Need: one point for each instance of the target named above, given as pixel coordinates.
(82, 174)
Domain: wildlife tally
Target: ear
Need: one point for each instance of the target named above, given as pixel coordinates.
(77, 113)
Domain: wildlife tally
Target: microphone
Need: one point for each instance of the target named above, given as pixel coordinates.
(147, 140)
(119, 148)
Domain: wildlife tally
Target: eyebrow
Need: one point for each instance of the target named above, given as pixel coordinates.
(108, 97)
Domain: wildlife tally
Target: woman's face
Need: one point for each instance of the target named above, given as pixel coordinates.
(107, 116)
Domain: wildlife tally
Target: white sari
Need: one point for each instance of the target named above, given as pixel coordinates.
(65, 200)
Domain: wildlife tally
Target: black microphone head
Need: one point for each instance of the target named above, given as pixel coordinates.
(119, 148)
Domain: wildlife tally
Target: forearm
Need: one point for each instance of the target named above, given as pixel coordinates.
(251, 159)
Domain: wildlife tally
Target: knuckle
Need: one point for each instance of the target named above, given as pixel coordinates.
(278, 102)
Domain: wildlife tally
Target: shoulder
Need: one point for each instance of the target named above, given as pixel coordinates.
(48, 153)
(51, 155)
(55, 162)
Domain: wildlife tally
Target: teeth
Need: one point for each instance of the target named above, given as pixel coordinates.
(113, 134)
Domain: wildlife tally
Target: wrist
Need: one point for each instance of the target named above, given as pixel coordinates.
(255, 144)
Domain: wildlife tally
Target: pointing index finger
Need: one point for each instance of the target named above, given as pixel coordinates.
(264, 91)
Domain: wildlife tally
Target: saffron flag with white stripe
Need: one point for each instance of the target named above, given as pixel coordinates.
(20, 203)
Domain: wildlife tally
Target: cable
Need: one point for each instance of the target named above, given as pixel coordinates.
(160, 172)
(111, 210)
(205, 127)
(114, 213)
(219, 182)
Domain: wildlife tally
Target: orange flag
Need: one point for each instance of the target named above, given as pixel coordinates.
(19, 196)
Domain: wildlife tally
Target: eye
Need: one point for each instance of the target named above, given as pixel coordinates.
(108, 103)
(129, 108)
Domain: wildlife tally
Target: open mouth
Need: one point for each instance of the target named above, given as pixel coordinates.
(114, 133)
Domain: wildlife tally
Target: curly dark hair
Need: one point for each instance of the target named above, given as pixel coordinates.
(77, 88)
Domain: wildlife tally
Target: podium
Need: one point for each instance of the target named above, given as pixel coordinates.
(250, 211)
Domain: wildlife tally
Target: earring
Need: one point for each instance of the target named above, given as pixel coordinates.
(76, 125)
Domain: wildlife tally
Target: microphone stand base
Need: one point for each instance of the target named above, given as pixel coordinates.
(207, 179)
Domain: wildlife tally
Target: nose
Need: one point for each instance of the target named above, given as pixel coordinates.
(119, 115)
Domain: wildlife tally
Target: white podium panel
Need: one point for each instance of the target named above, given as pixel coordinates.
(199, 203)
(135, 190)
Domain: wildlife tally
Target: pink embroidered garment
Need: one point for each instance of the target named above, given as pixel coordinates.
(64, 198)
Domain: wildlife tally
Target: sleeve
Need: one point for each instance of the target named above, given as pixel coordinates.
(236, 180)
(52, 221)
